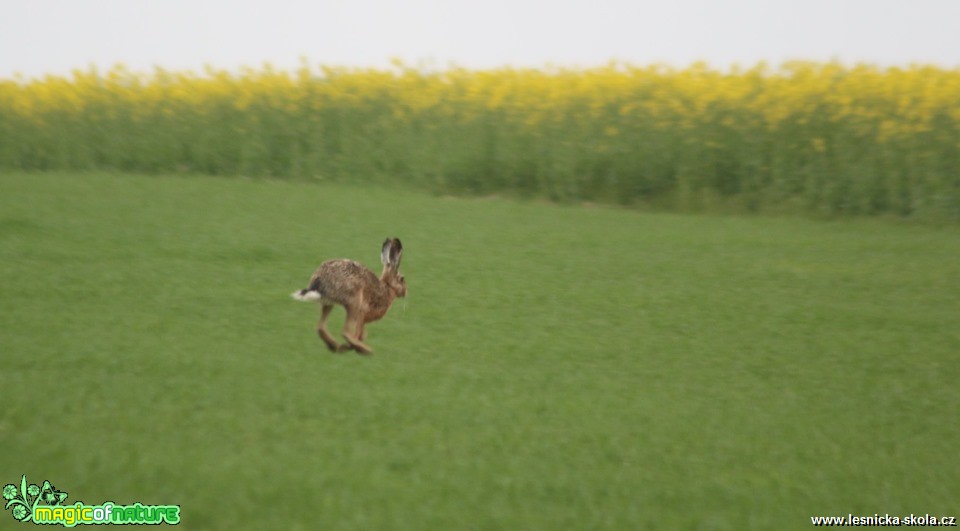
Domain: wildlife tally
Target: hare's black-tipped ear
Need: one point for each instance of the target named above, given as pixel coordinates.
(396, 251)
(391, 252)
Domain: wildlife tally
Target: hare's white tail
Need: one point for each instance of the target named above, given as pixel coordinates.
(306, 295)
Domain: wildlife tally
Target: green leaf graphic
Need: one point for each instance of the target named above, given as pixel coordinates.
(16, 501)
(21, 510)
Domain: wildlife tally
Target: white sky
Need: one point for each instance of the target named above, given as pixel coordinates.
(56, 36)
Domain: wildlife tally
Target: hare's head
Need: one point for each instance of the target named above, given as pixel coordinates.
(390, 255)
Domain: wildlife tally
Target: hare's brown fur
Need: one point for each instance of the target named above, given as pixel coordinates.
(365, 296)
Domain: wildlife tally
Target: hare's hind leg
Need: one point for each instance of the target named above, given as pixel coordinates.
(354, 325)
(362, 336)
(322, 329)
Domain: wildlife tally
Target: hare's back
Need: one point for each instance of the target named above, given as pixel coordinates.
(339, 279)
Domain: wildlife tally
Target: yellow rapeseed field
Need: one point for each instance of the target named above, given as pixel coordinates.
(818, 137)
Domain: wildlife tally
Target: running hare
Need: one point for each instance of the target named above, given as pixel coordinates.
(356, 288)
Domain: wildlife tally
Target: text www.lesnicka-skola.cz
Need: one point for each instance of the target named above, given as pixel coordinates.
(884, 520)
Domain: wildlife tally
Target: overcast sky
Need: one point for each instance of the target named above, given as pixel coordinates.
(56, 36)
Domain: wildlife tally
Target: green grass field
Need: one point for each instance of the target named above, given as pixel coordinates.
(553, 367)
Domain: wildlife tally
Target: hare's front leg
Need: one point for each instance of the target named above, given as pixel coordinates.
(322, 329)
(354, 325)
